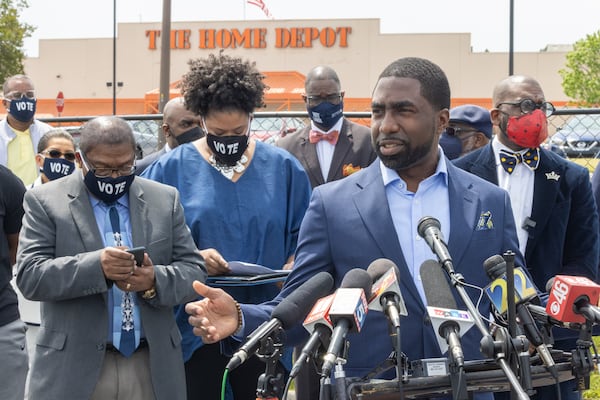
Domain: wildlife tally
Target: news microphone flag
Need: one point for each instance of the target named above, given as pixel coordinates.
(565, 292)
(497, 290)
(439, 315)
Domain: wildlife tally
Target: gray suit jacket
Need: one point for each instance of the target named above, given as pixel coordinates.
(59, 265)
(353, 147)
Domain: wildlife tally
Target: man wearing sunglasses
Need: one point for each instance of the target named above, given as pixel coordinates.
(551, 198)
(19, 131)
(469, 128)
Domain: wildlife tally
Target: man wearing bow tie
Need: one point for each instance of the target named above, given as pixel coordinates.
(551, 198)
(332, 147)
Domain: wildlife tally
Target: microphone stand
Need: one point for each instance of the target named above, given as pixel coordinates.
(582, 360)
(519, 358)
(457, 281)
(272, 383)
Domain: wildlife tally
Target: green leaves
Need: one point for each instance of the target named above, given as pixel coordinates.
(581, 76)
(12, 35)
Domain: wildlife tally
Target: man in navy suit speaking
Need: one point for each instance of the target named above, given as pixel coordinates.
(374, 214)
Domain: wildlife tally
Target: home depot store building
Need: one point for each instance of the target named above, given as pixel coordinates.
(285, 50)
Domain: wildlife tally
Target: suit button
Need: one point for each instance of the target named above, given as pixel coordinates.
(426, 320)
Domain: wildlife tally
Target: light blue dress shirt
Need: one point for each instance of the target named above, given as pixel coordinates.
(100, 211)
(407, 208)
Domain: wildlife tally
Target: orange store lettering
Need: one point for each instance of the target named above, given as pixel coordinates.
(255, 38)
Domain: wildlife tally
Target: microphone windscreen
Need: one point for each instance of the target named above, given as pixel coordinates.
(379, 267)
(358, 278)
(494, 266)
(425, 223)
(297, 304)
(436, 286)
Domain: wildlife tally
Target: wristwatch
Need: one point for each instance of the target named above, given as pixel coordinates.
(149, 294)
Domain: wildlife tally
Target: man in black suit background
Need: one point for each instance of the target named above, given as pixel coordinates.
(332, 147)
(179, 126)
(554, 209)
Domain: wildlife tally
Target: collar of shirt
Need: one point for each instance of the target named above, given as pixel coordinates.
(389, 175)
(336, 127)
(123, 201)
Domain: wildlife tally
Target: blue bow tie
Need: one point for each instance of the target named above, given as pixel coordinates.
(509, 160)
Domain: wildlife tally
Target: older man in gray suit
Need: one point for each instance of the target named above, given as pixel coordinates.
(107, 328)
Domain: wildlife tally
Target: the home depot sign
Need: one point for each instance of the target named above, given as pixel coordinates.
(254, 38)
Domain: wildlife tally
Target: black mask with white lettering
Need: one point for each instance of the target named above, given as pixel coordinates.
(227, 149)
(55, 168)
(108, 189)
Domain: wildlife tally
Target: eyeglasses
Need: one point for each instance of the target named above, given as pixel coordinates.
(528, 106)
(330, 98)
(106, 172)
(15, 95)
(451, 131)
(70, 156)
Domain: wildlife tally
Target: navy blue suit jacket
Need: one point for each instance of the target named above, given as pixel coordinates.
(565, 237)
(348, 225)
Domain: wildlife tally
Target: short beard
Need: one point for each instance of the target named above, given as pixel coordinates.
(407, 159)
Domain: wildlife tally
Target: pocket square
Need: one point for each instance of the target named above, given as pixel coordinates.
(485, 222)
(349, 169)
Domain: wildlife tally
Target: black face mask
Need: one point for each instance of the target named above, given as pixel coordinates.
(227, 149)
(189, 136)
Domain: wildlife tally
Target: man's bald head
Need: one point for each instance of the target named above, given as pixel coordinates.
(508, 87)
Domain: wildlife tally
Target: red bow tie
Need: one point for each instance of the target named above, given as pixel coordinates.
(331, 137)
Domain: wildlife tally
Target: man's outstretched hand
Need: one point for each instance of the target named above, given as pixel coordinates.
(215, 317)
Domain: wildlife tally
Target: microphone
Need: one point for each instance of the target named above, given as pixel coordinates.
(318, 324)
(429, 229)
(495, 267)
(571, 298)
(386, 294)
(445, 318)
(347, 312)
(288, 312)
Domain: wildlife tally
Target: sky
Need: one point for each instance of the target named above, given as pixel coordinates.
(537, 23)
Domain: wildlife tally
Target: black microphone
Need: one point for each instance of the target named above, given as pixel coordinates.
(386, 294)
(495, 267)
(287, 313)
(347, 312)
(438, 295)
(429, 229)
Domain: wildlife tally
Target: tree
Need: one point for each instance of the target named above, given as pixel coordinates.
(12, 35)
(581, 77)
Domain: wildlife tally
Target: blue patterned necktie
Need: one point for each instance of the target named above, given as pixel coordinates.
(509, 160)
(127, 343)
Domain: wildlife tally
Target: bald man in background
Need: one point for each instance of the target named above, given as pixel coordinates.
(179, 126)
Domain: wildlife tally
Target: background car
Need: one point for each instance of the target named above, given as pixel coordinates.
(579, 137)
(270, 129)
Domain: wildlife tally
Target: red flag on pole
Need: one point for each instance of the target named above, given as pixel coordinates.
(260, 4)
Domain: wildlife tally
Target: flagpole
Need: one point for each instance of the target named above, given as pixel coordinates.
(244, 2)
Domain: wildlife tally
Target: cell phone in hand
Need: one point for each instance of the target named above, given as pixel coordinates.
(138, 253)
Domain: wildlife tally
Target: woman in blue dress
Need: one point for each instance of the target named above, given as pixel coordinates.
(244, 200)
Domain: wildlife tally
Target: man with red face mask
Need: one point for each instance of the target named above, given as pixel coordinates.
(551, 198)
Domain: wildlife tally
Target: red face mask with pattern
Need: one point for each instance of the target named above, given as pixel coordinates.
(529, 130)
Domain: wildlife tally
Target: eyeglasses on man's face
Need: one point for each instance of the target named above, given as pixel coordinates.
(528, 106)
(16, 95)
(313, 101)
(70, 156)
(105, 172)
(461, 133)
